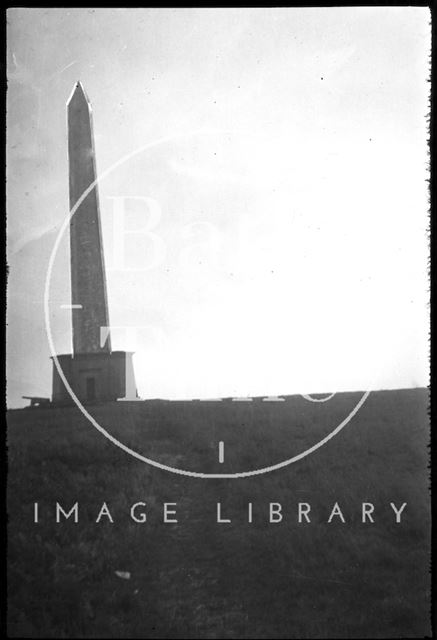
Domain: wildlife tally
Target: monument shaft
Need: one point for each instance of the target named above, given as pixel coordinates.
(88, 284)
(94, 373)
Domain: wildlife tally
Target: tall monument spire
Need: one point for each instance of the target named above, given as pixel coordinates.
(88, 283)
(93, 373)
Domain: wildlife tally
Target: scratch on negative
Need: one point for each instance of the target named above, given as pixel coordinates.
(63, 69)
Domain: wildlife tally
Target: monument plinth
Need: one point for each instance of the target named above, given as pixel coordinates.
(93, 371)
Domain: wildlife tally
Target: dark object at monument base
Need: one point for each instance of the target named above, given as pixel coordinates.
(93, 377)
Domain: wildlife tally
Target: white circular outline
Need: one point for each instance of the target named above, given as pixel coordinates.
(310, 399)
(120, 445)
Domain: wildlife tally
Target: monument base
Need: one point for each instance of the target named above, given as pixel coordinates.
(94, 377)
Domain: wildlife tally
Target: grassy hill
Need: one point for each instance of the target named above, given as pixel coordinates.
(201, 579)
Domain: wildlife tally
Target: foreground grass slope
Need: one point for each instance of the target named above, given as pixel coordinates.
(200, 579)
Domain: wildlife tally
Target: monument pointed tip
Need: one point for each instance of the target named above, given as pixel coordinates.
(78, 91)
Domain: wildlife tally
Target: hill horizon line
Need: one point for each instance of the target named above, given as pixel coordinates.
(315, 396)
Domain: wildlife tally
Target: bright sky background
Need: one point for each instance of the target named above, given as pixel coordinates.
(289, 192)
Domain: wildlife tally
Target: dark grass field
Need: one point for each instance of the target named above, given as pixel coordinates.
(201, 579)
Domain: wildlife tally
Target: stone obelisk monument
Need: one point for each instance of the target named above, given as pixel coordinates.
(88, 282)
(93, 371)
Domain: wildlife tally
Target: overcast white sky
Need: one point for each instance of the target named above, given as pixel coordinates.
(290, 193)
